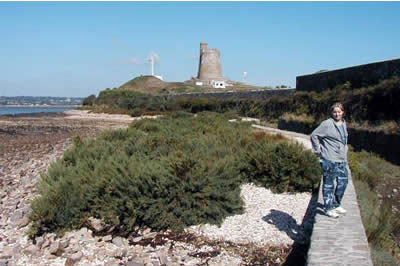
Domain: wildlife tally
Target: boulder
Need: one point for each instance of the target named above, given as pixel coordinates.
(96, 224)
(31, 250)
(119, 241)
(56, 248)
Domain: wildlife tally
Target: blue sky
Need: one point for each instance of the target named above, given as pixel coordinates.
(81, 48)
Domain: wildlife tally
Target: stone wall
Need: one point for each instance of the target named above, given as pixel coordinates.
(252, 95)
(358, 76)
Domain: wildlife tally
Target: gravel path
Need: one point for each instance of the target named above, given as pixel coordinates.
(269, 218)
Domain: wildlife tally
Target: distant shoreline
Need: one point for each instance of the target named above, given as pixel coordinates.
(41, 106)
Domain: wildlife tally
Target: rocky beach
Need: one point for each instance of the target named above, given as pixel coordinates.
(263, 235)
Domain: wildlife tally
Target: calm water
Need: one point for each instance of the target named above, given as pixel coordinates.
(6, 110)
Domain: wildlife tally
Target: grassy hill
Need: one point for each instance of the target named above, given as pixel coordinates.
(153, 85)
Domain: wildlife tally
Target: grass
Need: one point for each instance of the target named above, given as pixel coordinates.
(381, 224)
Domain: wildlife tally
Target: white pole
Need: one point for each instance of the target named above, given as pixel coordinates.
(152, 64)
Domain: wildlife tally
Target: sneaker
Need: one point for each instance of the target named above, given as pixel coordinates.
(340, 210)
(332, 214)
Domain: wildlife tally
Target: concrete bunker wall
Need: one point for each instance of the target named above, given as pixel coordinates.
(358, 76)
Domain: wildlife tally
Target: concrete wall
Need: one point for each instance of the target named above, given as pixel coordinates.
(358, 76)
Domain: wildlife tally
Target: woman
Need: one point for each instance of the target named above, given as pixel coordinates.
(329, 142)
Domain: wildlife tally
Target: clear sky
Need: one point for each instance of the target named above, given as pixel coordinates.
(81, 48)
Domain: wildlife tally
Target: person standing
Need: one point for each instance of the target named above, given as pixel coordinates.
(329, 142)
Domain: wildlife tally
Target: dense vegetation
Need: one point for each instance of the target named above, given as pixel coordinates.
(381, 224)
(374, 108)
(170, 172)
(374, 104)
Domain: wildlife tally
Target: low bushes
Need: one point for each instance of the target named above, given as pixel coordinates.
(167, 173)
(281, 167)
(381, 224)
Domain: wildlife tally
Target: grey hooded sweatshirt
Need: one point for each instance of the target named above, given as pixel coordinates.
(328, 143)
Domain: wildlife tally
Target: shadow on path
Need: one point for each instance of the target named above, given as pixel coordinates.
(301, 234)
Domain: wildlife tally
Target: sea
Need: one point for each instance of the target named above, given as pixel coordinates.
(13, 110)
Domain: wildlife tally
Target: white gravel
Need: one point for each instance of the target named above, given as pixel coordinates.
(268, 218)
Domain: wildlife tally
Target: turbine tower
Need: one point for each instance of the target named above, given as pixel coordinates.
(245, 77)
(153, 58)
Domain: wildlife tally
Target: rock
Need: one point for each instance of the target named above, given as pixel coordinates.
(100, 244)
(56, 248)
(77, 256)
(64, 243)
(50, 257)
(7, 253)
(134, 263)
(39, 241)
(26, 209)
(189, 261)
(395, 190)
(16, 216)
(51, 236)
(119, 241)
(96, 224)
(111, 252)
(111, 262)
(107, 238)
(150, 235)
(12, 240)
(23, 222)
(162, 256)
(46, 243)
(124, 252)
(31, 250)
(10, 251)
(146, 231)
(84, 232)
(69, 262)
(137, 239)
(156, 263)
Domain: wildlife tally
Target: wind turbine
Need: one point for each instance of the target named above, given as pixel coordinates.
(153, 58)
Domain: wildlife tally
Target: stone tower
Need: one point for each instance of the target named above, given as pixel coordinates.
(209, 64)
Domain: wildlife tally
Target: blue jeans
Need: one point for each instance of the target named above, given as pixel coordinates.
(334, 171)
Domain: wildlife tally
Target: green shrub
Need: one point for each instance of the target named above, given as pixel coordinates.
(90, 100)
(166, 173)
(282, 167)
(137, 112)
(371, 169)
(381, 257)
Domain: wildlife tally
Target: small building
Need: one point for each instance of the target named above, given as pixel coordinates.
(218, 84)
